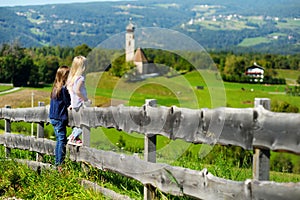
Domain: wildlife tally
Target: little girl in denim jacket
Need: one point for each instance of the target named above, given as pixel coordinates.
(58, 113)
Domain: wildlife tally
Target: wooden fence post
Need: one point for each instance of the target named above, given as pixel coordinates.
(150, 154)
(76, 115)
(261, 157)
(86, 136)
(86, 140)
(40, 133)
(7, 129)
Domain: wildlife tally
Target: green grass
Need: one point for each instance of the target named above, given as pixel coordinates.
(5, 87)
(17, 180)
(253, 41)
(238, 98)
(180, 91)
(20, 181)
(290, 76)
(290, 24)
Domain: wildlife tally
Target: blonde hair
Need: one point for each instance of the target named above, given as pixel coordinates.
(78, 66)
(60, 80)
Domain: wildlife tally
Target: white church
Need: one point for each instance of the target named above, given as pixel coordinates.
(137, 56)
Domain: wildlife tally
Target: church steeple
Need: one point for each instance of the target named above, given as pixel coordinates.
(130, 27)
(130, 43)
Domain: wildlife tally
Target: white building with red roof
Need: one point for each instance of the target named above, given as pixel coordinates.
(255, 72)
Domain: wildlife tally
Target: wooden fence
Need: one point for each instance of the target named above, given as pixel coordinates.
(256, 129)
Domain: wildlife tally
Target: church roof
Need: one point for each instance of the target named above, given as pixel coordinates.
(255, 66)
(139, 56)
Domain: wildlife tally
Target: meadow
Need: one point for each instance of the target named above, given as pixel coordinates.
(5, 87)
(181, 91)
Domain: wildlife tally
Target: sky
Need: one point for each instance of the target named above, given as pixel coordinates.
(4, 3)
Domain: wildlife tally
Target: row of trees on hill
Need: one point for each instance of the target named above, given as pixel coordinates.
(36, 65)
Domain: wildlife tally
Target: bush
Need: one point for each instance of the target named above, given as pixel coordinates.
(282, 163)
(296, 168)
(283, 107)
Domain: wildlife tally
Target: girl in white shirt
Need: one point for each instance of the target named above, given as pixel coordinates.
(78, 93)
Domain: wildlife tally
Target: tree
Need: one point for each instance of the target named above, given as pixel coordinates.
(82, 50)
(52, 64)
(22, 71)
(120, 67)
(15, 65)
(235, 65)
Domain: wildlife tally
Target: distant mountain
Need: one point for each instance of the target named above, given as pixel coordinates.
(216, 24)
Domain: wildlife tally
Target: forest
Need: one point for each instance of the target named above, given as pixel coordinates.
(52, 25)
(36, 66)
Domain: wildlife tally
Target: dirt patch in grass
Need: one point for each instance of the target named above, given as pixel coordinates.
(23, 98)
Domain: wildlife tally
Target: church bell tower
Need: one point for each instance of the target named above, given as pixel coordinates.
(130, 45)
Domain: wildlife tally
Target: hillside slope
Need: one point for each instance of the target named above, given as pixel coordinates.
(215, 24)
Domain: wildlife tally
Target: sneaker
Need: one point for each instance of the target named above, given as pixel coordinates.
(76, 142)
(71, 137)
(71, 141)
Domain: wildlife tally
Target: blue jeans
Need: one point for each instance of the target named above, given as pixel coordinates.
(76, 131)
(61, 139)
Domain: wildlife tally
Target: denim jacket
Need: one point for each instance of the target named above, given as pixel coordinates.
(59, 106)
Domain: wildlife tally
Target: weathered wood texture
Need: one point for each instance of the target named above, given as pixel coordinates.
(18, 141)
(247, 128)
(36, 114)
(150, 154)
(106, 192)
(169, 179)
(261, 157)
(37, 166)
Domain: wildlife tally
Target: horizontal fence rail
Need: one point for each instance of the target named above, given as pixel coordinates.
(247, 128)
(256, 129)
(169, 179)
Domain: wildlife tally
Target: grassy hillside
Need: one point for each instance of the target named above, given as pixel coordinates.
(181, 91)
(290, 76)
(213, 24)
(5, 87)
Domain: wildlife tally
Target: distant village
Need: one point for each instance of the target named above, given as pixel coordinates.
(230, 21)
(204, 17)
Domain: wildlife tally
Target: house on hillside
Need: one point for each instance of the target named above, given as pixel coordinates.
(255, 72)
